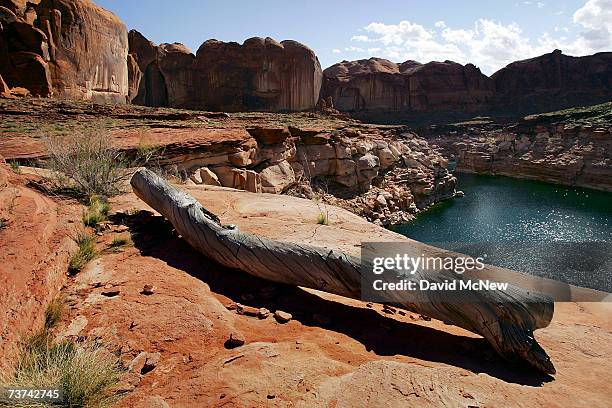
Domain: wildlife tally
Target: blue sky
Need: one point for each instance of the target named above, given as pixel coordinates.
(489, 34)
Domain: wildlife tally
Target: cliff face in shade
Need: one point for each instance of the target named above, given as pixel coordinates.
(554, 81)
(69, 48)
(380, 85)
(260, 74)
(159, 75)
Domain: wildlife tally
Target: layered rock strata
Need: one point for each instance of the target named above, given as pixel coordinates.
(561, 153)
(380, 85)
(385, 176)
(260, 74)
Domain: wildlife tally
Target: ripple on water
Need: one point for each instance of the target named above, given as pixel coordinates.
(564, 233)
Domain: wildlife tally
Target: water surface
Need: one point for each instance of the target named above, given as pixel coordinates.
(557, 232)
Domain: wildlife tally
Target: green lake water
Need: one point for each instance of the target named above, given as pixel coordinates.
(557, 232)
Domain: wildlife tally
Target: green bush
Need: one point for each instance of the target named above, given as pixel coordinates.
(96, 212)
(86, 252)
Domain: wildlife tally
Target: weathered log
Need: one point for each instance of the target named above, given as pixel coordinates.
(506, 319)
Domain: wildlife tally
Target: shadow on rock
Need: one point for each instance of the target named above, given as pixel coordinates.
(154, 236)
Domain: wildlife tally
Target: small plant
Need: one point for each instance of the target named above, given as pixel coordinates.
(86, 252)
(15, 167)
(121, 241)
(3, 223)
(96, 212)
(87, 165)
(85, 371)
(53, 313)
(322, 219)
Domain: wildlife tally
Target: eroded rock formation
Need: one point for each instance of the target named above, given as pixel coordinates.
(260, 74)
(68, 48)
(559, 152)
(384, 176)
(376, 84)
(554, 81)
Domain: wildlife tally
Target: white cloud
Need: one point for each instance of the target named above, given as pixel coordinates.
(336, 51)
(440, 24)
(361, 38)
(595, 14)
(488, 44)
(540, 4)
(354, 49)
(595, 17)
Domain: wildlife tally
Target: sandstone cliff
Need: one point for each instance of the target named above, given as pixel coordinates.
(68, 48)
(377, 88)
(554, 81)
(570, 147)
(260, 74)
(380, 85)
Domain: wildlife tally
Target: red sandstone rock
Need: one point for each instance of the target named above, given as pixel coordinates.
(75, 49)
(379, 85)
(554, 81)
(260, 74)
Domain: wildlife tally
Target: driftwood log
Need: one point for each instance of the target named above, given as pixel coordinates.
(505, 319)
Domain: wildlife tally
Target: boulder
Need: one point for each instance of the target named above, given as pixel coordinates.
(208, 177)
(276, 178)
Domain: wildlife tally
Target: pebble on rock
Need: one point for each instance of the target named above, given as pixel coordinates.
(282, 317)
(236, 339)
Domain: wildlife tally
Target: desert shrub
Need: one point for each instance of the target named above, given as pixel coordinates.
(96, 211)
(322, 219)
(3, 223)
(85, 253)
(121, 241)
(53, 313)
(84, 372)
(87, 164)
(15, 167)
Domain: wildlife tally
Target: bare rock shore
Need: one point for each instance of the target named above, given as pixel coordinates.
(570, 147)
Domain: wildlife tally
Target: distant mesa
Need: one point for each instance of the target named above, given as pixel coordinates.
(551, 81)
(379, 84)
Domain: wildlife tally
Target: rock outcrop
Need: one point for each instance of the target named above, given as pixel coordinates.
(554, 81)
(544, 148)
(259, 75)
(377, 88)
(380, 85)
(384, 176)
(68, 48)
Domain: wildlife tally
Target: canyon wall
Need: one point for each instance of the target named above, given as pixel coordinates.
(380, 85)
(554, 81)
(551, 81)
(261, 74)
(67, 48)
(383, 175)
(572, 154)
